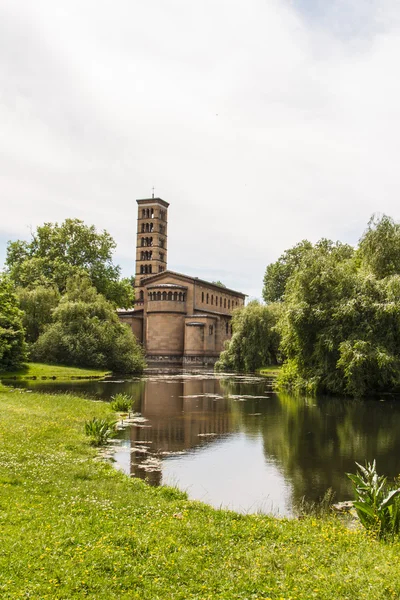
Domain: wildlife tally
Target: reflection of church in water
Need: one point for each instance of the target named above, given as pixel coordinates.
(183, 415)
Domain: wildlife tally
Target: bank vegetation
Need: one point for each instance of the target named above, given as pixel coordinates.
(331, 318)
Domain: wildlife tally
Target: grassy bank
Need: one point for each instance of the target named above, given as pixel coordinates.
(42, 371)
(73, 527)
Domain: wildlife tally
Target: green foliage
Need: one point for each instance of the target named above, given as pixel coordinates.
(278, 273)
(340, 325)
(254, 342)
(99, 430)
(12, 343)
(219, 283)
(86, 332)
(379, 247)
(377, 504)
(37, 304)
(58, 252)
(121, 403)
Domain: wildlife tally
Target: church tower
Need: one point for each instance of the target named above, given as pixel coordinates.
(151, 244)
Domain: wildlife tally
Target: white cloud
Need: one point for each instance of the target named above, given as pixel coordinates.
(262, 123)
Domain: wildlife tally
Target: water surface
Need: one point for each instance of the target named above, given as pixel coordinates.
(230, 441)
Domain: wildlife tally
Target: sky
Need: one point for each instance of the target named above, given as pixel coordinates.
(261, 122)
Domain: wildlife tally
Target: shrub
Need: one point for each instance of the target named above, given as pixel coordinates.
(86, 332)
(377, 503)
(99, 430)
(121, 403)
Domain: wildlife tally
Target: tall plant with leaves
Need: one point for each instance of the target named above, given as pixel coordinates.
(377, 503)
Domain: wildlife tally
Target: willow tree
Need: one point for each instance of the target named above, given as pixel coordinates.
(254, 341)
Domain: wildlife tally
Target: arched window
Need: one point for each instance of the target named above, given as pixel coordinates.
(151, 227)
(164, 295)
(175, 296)
(207, 298)
(150, 255)
(142, 242)
(147, 227)
(229, 303)
(224, 302)
(212, 299)
(147, 213)
(183, 297)
(143, 227)
(141, 295)
(202, 296)
(142, 269)
(169, 295)
(143, 213)
(220, 302)
(152, 213)
(150, 268)
(158, 295)
(151, 241)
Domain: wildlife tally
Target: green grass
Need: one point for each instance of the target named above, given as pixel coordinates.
(73, 527)
(271, 371)
(40, 370)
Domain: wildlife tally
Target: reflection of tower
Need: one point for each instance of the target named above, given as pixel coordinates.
(183, 415)
(151, 244)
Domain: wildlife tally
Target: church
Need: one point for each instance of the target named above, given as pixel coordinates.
(179, 319)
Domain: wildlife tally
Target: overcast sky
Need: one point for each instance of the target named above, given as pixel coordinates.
(262, 122)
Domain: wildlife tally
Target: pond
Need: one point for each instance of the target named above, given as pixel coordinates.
(232, 442)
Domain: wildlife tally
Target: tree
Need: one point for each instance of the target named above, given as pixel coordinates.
(379, 247)
(278, 273)
(86, 332)
(219, 284)
(340, 326)
(37, 304)
(57, 252)
(254, 342)
(12, 342)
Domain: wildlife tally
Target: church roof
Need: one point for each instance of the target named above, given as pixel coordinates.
(152, 278)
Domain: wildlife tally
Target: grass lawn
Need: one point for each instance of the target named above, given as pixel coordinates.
(271, 371)
(73, 527)
(39, 371)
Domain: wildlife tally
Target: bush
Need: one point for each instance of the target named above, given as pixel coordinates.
(86, 332)
(377, 503)
(121, 403)
(99, 430)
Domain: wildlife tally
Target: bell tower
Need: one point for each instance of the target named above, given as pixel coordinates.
(151, 242)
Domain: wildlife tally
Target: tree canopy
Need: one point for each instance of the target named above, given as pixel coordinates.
(12, 342)
(278, 273)
(57, 252)
(85, 331)
(254, 342)
(340, 325)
